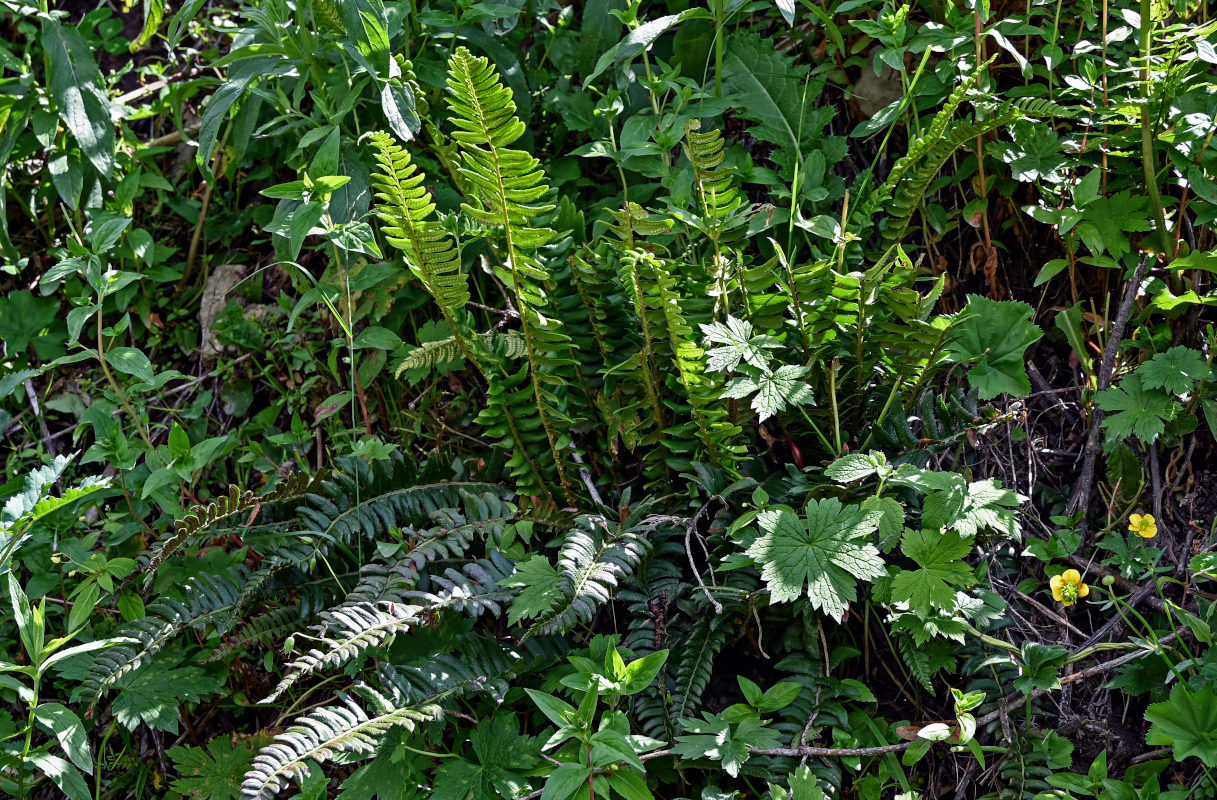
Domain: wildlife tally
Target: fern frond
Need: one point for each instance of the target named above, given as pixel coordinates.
(595, 556)
(346, 633)
(263, 628)
(506, 187)
(350, 726)
(200, 518)
(474, 589)
(405, 209)
(428, 355)
(700, 649)
(357, 723)
(206, 598)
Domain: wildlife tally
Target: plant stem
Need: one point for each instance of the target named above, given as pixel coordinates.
(1147, 133)
(29, 738)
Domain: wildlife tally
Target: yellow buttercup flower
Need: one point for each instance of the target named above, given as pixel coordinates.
(1144, 526)
(1067, 587)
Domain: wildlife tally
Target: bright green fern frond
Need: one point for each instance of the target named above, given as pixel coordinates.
(405, 207)
(716, 187)
(505, 186)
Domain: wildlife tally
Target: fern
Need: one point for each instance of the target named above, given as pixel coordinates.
(428, 355)
(357, 723)
(705, 641)
(505, 187)
(406, 208)
(202, 518)
(346, 633)
(208, 598)
(595, 556)
(474, 589)
(718, 197)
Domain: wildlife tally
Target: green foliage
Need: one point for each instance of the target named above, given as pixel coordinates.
(449, 368)
(1186, 723)
(994, 337)
(825, 551)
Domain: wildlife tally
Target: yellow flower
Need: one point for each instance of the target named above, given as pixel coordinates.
(1068, 587)
(1144, 526)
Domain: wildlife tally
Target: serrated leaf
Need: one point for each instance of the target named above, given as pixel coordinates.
(824, 551)
(995, 335)
(940, 572)
(538, 582)
(1138, 411)
(1187, 722)
(855, 467)
(503, 756)
(154, 694)
(214, 772)
(1177, 370)
(716, 738)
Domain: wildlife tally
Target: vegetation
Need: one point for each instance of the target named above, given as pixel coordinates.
(480, 400)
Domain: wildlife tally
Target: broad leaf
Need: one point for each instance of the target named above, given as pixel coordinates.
(1186, 722)
(80, 97)
(995, 335)
(825, 552)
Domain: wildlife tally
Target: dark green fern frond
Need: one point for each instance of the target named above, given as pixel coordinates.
(346, 633)
(265, 628)
(206, 599)
(356, 724)
(473, 589)
(595, 556)
(697, 655)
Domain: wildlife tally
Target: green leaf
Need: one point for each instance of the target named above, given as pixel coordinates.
(772, 89)
(941, 571)
(1186, 722)
(179, 442)
(718, 739)
(737, 344)
(856, 466)
(131, 361)
(638, 40)
(1107, 222)
(62, 774)
(154, 13)
(565, 781)
(538, 582)
(66, 727)
(215, 772)
(641, 672)
(559, 712)
(1138, 411)
(773, 389)
(1177, 370)
(80, 96)
(503, 756)
(824, 551)
(995, 335)
(154, 694)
